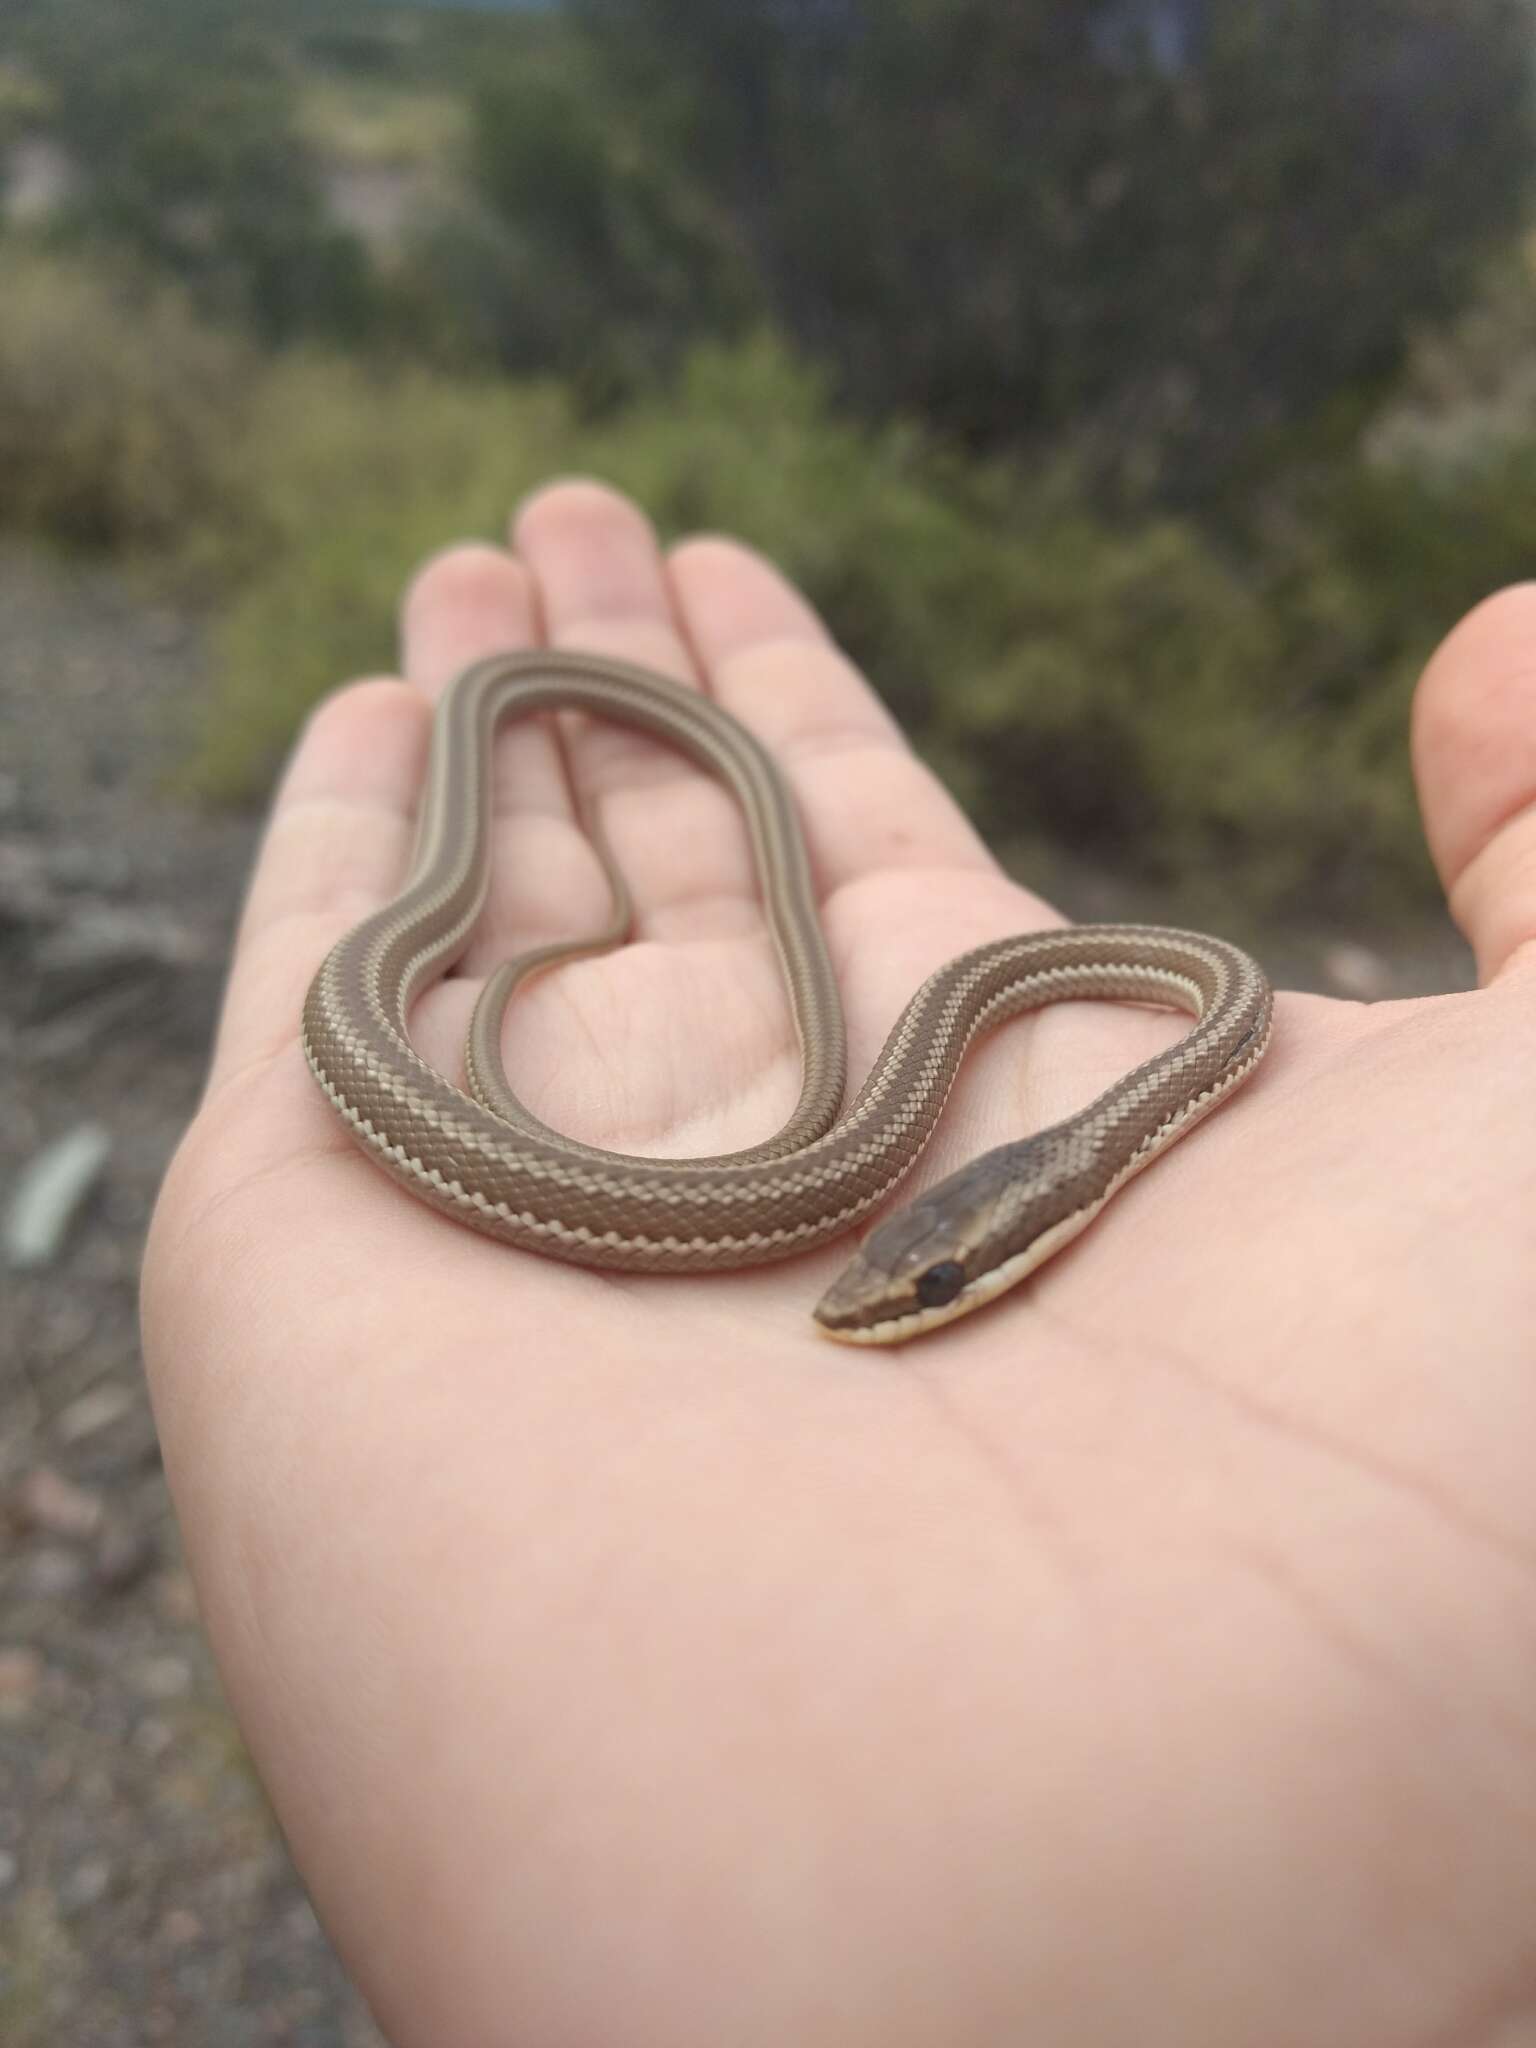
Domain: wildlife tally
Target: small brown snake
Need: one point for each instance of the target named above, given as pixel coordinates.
(487, 1161)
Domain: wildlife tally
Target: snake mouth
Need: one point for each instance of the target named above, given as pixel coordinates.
(863, 1307)
(857, 1308)
(901, 1327)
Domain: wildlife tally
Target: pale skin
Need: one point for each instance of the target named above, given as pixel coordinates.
(1148, 1661)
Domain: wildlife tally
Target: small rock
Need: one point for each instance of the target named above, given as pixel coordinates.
(237, 1884)
(46, 1501)
(153, 1737)
(162, 1678)
(85, 1024)
(101, 948)
(50, 1574)
(21, 1673)
(95, 1783)
(49, 1195)
(175, 1596)
(94, 1411)
(98, 869)
(10, 1870)
(165, 630)
(302, 1923)
(25, 898)
(1355, 971)
(179, 1928)
(86, 1885)
(62, 1327)
(122, 1556)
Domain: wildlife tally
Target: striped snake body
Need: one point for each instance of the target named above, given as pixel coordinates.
(487, 1161)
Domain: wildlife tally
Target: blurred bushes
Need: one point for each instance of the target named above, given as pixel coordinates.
(179, 119)
(1190, 225)
(25, 101)
(350, 477)
(592, 254)
(1126, 688)
(1176, 251)
(119, 409)
(1469, 388)
(1129, 688)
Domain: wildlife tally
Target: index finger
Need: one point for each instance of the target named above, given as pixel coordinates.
(336, 843)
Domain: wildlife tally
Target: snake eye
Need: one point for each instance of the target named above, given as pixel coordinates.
(940, 1284)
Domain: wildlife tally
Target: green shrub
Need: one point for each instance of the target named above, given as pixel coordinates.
(1190, 225)
(1130, 691)
(615, 257)
(179, 122)
(349, 478)
(118, 409)
(1126, 692)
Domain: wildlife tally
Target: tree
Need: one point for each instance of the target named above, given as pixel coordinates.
(601, 257)
(178, 115)
(1185, 223)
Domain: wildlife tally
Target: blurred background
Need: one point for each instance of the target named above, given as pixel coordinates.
(1140, 387)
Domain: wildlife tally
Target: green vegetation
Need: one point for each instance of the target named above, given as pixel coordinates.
(365, 121)
(1029, 641)
(24, 100)
(120, 407)
(1138, 411)
(614, 263)
(1176, 228)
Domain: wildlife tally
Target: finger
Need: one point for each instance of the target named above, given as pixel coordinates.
(598, 571)
(336, 845)
(468, 602)
(1474, 750)
(603, 586)
(868, 804)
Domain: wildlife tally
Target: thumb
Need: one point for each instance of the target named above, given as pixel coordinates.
(1474, 756)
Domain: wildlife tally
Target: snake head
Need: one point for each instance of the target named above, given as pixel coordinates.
(966, 1240)
(927, 1264)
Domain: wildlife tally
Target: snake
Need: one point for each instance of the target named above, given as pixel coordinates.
(479, 1155)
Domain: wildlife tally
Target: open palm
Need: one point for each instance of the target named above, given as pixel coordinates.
(1148, 1659)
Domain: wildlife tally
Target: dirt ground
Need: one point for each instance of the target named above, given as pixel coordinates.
(145, 1895)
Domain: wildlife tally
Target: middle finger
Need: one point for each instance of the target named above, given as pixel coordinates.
(674, 829)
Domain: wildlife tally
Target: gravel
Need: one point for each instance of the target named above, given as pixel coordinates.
(145, 1894)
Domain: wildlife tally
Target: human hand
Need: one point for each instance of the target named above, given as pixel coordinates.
(1145, 1660)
